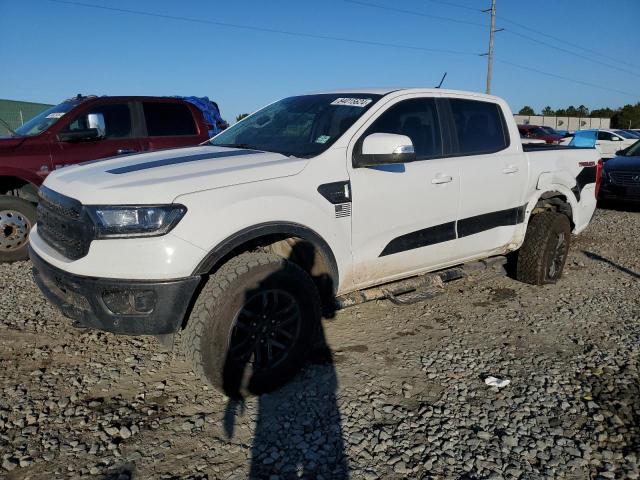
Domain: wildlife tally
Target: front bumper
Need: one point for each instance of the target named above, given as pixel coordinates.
(610, 191)
(152, 307)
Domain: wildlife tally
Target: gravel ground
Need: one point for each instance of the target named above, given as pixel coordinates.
(403, 395)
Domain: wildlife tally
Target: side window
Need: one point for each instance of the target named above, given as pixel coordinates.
(117, 120)
(418, 120)
(605, 136)
(480, 126)
(168, 119)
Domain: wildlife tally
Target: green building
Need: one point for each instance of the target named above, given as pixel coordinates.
(15, 113)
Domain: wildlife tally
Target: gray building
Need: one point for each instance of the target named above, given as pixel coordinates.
(563, 123)
(15, 113)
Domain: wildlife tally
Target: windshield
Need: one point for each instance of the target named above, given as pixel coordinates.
(302, 126)
(538, 131)
(632, 151)
(549, 130)
(624, 134)
(45, 119)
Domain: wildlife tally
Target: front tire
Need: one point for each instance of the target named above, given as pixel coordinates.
(17, 216)
(253, 324)
(543, 254)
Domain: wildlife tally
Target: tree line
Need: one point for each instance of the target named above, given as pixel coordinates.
(623, 117)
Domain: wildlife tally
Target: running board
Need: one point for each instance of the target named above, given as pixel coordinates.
(424, 287)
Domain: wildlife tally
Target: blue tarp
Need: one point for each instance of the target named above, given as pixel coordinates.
(210, 111)
(584, 138)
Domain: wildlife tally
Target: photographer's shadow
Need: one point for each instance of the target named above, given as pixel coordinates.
(298, 432)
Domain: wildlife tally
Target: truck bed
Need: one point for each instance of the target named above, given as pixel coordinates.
(536, 147)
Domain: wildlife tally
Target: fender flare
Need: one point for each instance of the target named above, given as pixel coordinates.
(220, 251)
(30, 180)
(24, 175)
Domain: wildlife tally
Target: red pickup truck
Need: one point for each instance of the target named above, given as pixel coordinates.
(88, 128)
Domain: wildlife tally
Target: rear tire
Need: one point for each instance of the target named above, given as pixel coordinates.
(543, 254)
(17, 216)
(253, 324)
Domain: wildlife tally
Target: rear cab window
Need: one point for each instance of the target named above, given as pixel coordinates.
(480, 126)
(165, 119)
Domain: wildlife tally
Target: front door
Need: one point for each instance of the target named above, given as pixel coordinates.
(119, 139)
(403, 218)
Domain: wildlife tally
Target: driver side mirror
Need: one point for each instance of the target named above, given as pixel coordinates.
(79, 135)
(384, 149)
(95, 130)
(96, 120)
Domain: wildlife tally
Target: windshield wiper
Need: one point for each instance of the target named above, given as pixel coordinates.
(235, 145)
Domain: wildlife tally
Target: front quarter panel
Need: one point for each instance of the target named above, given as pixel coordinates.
(215, 215)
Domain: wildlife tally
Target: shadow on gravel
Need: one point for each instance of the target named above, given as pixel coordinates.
(298, 432)
(619, 206)
(595, 256)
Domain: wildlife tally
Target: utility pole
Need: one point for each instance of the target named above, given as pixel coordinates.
(492, 30)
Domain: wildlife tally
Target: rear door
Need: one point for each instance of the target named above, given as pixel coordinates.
(493, 175)
(169, 124)
(120, 138)
(403, 218)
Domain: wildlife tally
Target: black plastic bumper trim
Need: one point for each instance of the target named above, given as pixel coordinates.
(80, 299)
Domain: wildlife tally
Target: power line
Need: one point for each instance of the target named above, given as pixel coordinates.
(475, 24)
(541, 72)
(538, 32)
(457, 5)
(566, 42)
(322, 37)
(262, 29)
(561, 49)
(413, 12)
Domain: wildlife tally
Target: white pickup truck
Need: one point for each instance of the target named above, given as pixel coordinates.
(239, 242)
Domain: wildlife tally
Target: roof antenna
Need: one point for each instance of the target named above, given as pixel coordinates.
(441, 81)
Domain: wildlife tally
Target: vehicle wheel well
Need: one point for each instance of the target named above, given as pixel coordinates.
(301, 246)
(554, 202)
(17, 187)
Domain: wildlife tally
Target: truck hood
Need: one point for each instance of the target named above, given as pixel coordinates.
(631, 164)
(160, 177)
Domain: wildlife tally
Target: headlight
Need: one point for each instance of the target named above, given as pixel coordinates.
(135, 221)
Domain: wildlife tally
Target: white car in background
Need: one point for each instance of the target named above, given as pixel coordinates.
(608, 141)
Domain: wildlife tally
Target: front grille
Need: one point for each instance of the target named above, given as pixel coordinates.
(63, 224)
(626, 179)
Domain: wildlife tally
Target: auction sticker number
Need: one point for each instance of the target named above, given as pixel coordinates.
(352, 102)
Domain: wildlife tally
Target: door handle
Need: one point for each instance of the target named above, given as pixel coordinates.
(123, 151)
(438, 179)
(510, 169)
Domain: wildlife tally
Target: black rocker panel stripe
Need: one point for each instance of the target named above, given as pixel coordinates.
(177, 160)
(421, 238)
(487, 221)
(447, 231)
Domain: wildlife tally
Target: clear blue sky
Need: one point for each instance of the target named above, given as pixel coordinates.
(50, 51)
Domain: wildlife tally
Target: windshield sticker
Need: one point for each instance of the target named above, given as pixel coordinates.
(352, 102)
(55, 115)
(322, 139)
